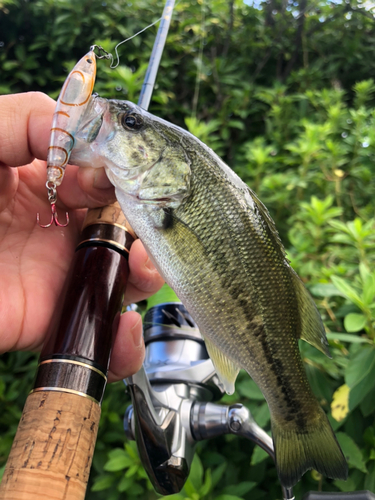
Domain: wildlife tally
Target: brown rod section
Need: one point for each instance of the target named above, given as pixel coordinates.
(53, 448)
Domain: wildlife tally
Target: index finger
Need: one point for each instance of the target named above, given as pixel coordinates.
(25, 127)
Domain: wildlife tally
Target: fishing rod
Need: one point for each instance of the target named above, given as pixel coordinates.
(53, 448)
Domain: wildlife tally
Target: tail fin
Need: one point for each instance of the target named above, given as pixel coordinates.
(314, 447)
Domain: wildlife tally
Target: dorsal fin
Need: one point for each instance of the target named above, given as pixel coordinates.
(312, 328)
(269, 222)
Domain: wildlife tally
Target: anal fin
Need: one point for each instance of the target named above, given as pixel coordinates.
(227, 370)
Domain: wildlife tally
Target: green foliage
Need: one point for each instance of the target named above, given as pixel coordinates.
(297, 122)
(126, 472)
(16, 376)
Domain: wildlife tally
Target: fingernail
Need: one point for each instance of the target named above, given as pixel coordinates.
(101, 180)
(150, 265)
(137, 334)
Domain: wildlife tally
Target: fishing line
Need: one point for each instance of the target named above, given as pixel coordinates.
(103, 54)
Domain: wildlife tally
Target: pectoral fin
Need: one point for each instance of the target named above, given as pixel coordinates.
(227, 371)
(312, 328)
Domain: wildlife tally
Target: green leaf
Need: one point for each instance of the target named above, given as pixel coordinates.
(368, 404)
(354, 322)
(125, 484)
(240, 489)
(137, 489)
(10, 65)
(316, 377)
(262, 414)
(348, 485)
(196, 473)
(360, 375)
(258, 455)
(346, 337)
(190, 488)
(349, 292)
(369, 289)
(351, 452)
(361, 391)
(132, 470)
(248, 389)
(20, 52)
(363, 271)
(207, 485)
(325, 290)
(131, 450)
(370, 477)
(217, 474)
(360, 365)
(237, 124)
(25, 76)
(340, 226)
(118, 461)
(103, 482)
(353, 483)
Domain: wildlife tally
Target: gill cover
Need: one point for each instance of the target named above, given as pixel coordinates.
(168, 180)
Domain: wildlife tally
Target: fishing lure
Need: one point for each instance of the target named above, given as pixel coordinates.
(71, 105)
(70, 108)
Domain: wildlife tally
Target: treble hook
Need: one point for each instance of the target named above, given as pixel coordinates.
(54, 218)
(52, 197)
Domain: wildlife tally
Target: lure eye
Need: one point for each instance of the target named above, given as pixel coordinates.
(132, 122)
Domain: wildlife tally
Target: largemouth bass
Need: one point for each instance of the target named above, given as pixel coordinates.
(216, 245)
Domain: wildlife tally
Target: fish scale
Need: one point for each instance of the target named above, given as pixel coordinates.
(246, 248)
(215, 244)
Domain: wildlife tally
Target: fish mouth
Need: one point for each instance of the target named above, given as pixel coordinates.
(92, 119)
(153, 200)
(165, 201)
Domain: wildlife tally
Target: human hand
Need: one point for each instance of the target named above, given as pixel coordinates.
(35, 261)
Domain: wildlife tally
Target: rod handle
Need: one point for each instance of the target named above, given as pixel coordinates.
(53, 448)
(54, 444)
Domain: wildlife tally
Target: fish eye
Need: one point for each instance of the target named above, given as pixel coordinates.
(132, 122)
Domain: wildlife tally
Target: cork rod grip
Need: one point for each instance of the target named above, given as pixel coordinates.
(53, 448)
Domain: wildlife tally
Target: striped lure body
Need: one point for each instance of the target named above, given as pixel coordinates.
(71, 105)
